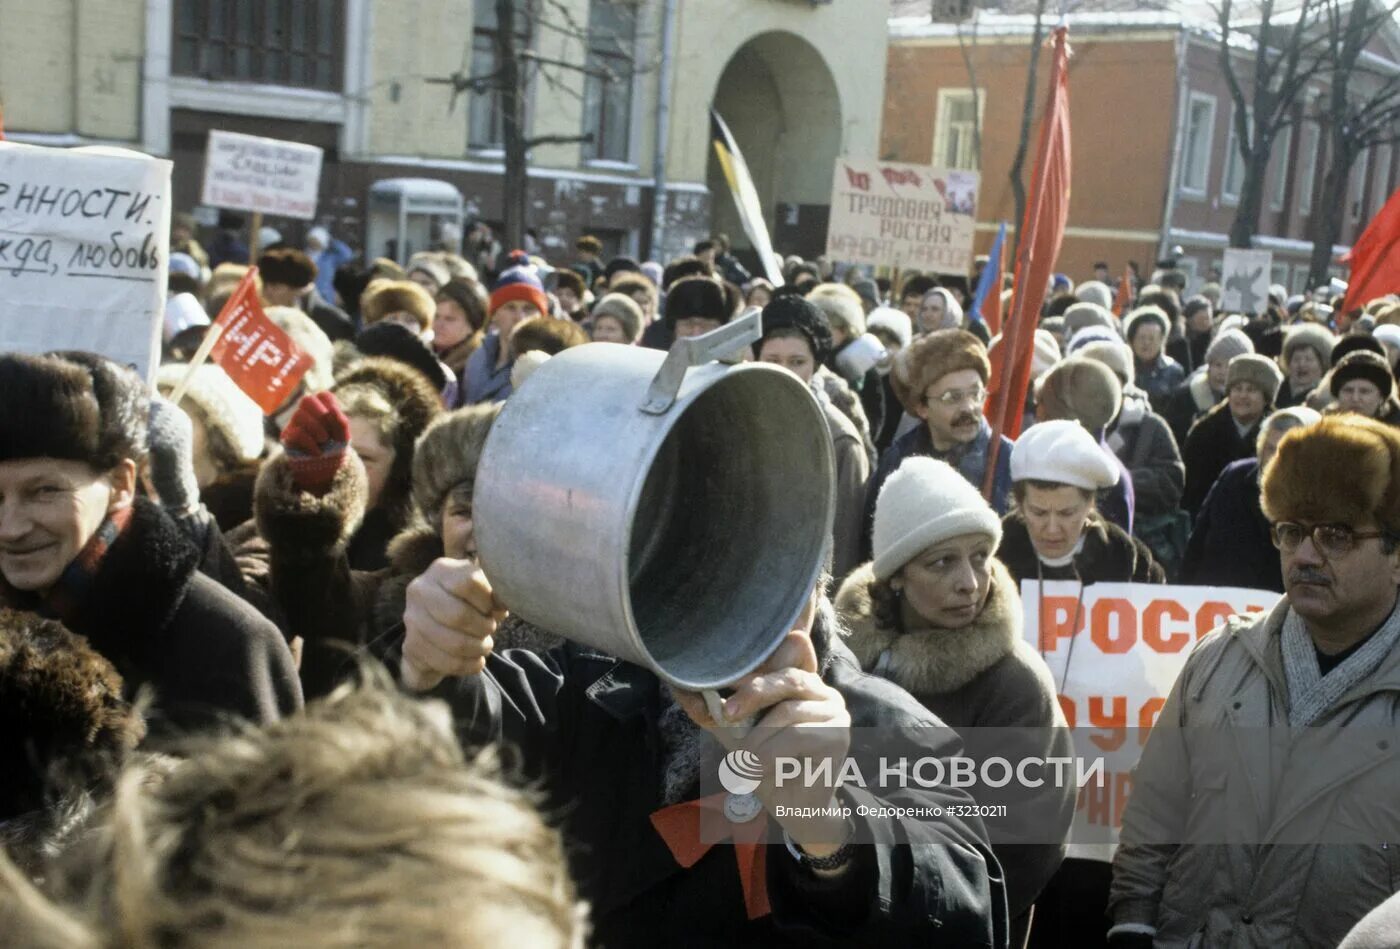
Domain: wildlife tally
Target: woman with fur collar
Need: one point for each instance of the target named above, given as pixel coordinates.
(1054, 531)
(938, 615)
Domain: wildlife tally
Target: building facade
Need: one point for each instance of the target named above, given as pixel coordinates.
(799, 82)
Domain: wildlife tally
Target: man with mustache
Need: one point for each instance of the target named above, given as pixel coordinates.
(941, 379)
(1263, 809)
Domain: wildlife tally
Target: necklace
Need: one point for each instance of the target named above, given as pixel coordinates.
(1074, 624)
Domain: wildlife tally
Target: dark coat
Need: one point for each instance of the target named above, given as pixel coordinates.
(1189, 350)
(894, 411)
(587, 727)
(332, 320)
(1287, 398)
(1159, 377)
(1213, 443)
(1144, 444)
(1191, 400)
(205, 653)
(1109, 555)
(1230, 544)
(985, 676)
(230, 498)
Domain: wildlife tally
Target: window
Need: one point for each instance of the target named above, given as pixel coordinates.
(955, 132)
(1357, 192)
(1233, 178)
(284, 42)
(1300, 279)
(486, 115)
(607, 95)
(1282, 158)
(1310, 141)
(1200, 129)
(1278, 274)
(1380, 190)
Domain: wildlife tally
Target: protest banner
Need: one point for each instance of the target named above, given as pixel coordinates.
(84, 245)
(905, 216)
(1114, 650)
(1244, 280)
(261, 175)
(258, 356)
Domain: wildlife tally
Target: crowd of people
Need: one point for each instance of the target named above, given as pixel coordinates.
(257, 689)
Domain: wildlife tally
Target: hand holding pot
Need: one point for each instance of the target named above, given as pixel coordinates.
(802, 717)
(449, 618)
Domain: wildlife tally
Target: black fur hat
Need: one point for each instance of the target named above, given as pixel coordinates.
(72, 406)
(791, 312)
(697, 297)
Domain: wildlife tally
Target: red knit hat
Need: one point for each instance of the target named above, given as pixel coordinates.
(519, 283)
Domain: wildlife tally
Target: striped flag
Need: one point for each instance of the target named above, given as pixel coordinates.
(989, 287)
(736, 174)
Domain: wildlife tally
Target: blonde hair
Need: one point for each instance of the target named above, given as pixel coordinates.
(357, 823)
(369, 403)
(842, 306)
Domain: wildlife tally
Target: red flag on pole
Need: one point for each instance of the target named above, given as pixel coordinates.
(991, 309)
(1042, 232)
(255, 352)
(1124, 298)
(1375, 265)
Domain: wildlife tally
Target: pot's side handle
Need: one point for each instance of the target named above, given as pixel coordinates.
(724, 344)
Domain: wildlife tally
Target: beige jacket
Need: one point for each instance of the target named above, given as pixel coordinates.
(1230, 835)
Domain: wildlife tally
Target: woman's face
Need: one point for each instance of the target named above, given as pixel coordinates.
(458, 531)
(511, 314)
(1055, 518)
(450, 326)
(790, 353)
(946, 585)
(377, 457)
(1304, 367)
(1246, 402)
(1360, 396)
(931, 312)
(606, 329)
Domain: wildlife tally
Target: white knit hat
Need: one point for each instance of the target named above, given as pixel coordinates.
(923, 503)
(1064, 453)
(895, 321)
(225, 405)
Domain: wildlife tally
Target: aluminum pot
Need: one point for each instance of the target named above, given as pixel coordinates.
(662, 508)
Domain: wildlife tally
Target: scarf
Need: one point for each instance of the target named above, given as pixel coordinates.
(69, 592)
(1310, 693)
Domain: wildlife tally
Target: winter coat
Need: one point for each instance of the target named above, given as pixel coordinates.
(588, 728)
(840, 394)
(1117, 501)
(869, 390)
(1109, 555)
(1189, 350)
(894, 411)
(455, 357)
(1144, 444)
(1191, 400)
(230, 497)
(1213, 443)
(481, 380)
(984, 676)
(1230, 544)
(328, 260)
(1379, 929)
(332, 320)
(1159, 377)
(1211, 772)
(205, 654)
(1389, 411)
(852, 471)
(1287, 398)
(970, 460)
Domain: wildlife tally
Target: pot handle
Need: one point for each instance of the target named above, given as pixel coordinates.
(724, 344)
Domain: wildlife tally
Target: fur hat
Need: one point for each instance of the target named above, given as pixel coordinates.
(72, 406)
(1342, 470)
(624, 309)
(791, 312)
(1095, 291)
(287, 266)
(1259, 371)
(1227, 345)
(1363, 365)
(842, 306)
(1352, 343)
(415, 404)
(1114, 354)
(398, 296)
(1144, 315)
(224, 409)
(1084, 390)
(312, 340)
(1061, 451)
(1043, 357)
(446, 456)
(932, 356)
(924, 503)
(700, 297)
(435, 269)
(518, 283)
(545, 334)
(1312, 336)
(396, 341)
(1081, 315)
(895, 322)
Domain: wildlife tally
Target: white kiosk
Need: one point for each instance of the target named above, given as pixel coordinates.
(407, 215)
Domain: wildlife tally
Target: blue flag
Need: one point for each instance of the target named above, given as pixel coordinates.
(991, 276)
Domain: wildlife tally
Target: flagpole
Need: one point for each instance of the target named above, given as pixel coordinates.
(216, 330)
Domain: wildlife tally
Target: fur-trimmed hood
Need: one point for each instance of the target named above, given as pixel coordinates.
(1201, 393)
(930, 661)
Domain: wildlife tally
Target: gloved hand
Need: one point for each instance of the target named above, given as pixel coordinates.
(170, 441)
(315, 438)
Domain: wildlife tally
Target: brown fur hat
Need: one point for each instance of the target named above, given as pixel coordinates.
(546, 334)
(1081, 389)
(931, 357)
(446, 456)
(1344, 469)
(395, 296)
(74, 406)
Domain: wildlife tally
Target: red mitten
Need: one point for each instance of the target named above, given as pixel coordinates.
(315, 439)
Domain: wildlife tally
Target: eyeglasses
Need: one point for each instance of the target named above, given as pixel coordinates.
(1331, 540)
(955, 397)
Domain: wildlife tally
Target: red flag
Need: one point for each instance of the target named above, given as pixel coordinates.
(257, 355)
(1042, 231)
(991, 308)
(1124, 298)
(1375, 266)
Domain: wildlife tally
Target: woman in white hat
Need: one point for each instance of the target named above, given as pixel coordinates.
(936, 614)
(1054, 531)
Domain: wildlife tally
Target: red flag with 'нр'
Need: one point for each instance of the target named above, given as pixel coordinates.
(255, 352)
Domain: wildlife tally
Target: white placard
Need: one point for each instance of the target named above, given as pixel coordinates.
(248, 173)
(1244, 280)
(84, 244)
(897, 215)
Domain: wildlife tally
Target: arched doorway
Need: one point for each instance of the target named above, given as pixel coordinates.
(781, 103)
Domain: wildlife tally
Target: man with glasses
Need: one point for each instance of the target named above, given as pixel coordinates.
(1263, 811)
(941, 380)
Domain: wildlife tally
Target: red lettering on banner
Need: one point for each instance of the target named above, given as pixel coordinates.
(258, 356)
(1152, 626)
(1115, 720)
(1147, 717)
(1102, 804)
(1103, 611)
(1210, 615)
(895, 176)
(857, 179)
(1057, 613)
(1067, 706)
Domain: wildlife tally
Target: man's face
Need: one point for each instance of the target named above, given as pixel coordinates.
(1101, 274)
(1147, 342)
(910, 304)
(790, 353)
(1332, 590)
(1246, 402)
(688, 326)
(708, 256)
(49, 509)
(511, 314)
(931, 311)
(952, 408)
(1200, 320)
